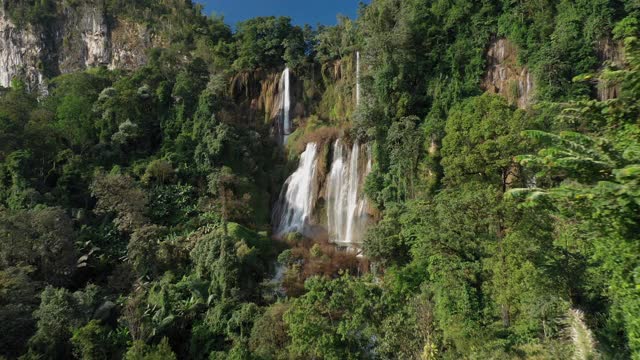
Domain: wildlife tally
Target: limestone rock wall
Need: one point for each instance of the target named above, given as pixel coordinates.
(504, 75)
(611, 55)
(20, 52)
(82, 36)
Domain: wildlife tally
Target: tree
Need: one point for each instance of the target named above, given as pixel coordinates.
(605, 205)
(72, 97)
(190, 82)
(383, 243)
(269, 336)
(215, 142)
(14, 114)
(451, 242)
(241, 322)
(597, 191)
(60, 312)
(335, 42)
(118, 194)
(18, 300)
(405, 148)
(142, 248)
(159, 172)
(482, 140)
(92, 342)
(141, 351)
(334, 319)
(43, 238)
(227, 190)
(214, 257)
(264, 42)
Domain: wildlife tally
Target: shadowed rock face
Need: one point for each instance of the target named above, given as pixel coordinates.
(611, 55)
(259, 98)
(514, 82)
(85, 40)
(504, 75)
(80, 37)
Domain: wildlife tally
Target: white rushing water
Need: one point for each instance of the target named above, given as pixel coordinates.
(358, 78)
(346, 204)
(295, 206)
(286, 104)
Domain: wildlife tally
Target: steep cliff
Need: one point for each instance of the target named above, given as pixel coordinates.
(515, 82)
(611, 55)
(79, 37)
(20, 53)
(258, 99)
(505, 76)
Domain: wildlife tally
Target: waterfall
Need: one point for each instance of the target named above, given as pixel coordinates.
(295, 206)
(357, 77)
(286, 104)
(346, 204)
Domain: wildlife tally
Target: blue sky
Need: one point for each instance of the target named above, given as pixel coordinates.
(301, 11)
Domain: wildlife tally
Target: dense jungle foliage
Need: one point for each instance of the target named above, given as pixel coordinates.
(135, 205)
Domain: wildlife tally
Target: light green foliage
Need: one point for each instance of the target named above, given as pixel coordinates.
(92, 342)
(332, 320)
(215, 258)
(408, 329)
(72, 101)
(384, 243)
(159, 172)
(598, 192)
(336, 42)
(483, 137)
(171, 302)
(452, 242)
(215, 141)
(56, 317)
(558, 50)
(267, 42)
(405, 149)
(241, 322)
(141, 351)
(127, 133)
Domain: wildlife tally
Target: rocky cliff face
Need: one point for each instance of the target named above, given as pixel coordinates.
(611, 55)
(82, 36)
(504, 75)
(258, 98)
(20, 53)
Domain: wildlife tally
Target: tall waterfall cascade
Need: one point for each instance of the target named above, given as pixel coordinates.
(358, 78)
(286, 103)
(295, 206)
(346, 205)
